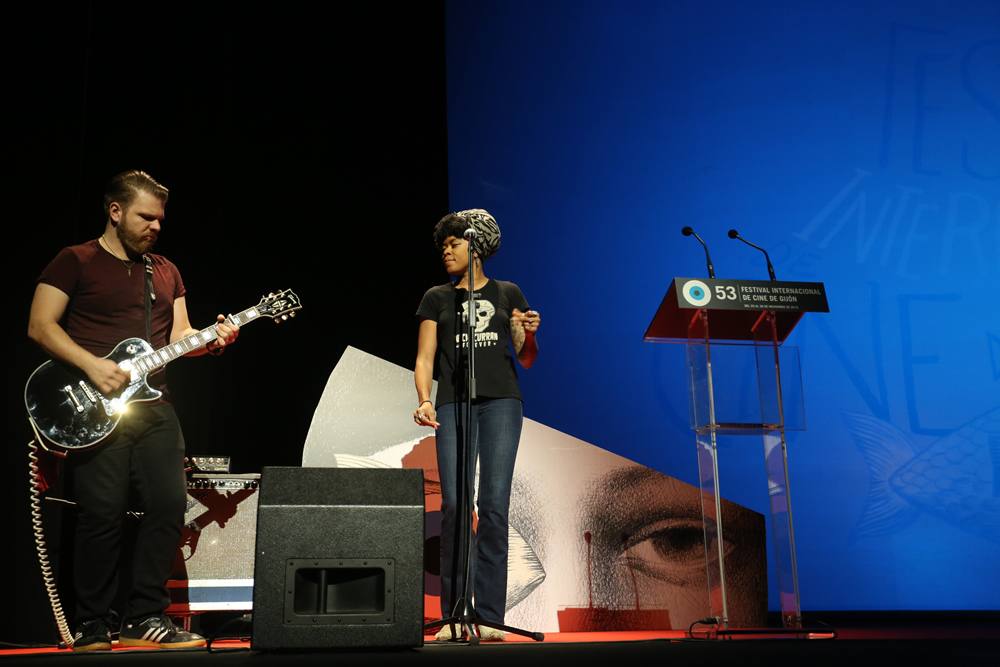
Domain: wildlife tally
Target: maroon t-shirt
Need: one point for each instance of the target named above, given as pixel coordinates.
(107, 300)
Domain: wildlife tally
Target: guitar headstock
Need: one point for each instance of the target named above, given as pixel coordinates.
(279, 306)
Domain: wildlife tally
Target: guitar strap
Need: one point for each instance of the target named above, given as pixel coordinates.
(150, 297)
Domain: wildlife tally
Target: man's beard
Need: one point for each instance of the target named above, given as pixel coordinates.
(135, 246)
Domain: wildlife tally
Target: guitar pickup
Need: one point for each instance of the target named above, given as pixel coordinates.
(72, 397)
(91, 394)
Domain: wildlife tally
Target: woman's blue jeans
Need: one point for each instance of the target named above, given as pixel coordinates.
(496, 431)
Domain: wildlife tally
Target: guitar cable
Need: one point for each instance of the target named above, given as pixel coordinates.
(35, 483)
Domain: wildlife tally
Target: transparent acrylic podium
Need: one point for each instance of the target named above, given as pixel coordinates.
(723, 336)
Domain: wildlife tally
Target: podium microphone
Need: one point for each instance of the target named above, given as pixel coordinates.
(687, 231)
(733, 234)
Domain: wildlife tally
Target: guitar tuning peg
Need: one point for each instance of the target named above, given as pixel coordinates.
(284, 317)
(291, 314)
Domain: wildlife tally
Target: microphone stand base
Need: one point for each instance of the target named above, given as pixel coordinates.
(470, 629)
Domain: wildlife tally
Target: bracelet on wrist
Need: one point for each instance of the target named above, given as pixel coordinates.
(425, 401)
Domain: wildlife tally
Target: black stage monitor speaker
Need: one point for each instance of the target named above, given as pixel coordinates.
(339, 559)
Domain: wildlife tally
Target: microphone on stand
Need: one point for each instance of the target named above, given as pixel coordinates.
(733, 234)
(687, 231)
(471, 236)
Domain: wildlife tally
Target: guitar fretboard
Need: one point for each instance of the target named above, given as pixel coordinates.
(150, 362)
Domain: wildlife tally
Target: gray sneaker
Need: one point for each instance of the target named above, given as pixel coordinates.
(157, 632)
(92, 636)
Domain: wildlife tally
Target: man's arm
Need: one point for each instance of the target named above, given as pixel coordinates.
(182, 328)
(47, 308)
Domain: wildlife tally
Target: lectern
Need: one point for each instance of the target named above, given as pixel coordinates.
(705, 314)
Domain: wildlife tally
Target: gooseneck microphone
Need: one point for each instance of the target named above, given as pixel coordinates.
(733, 234)
(687, 231)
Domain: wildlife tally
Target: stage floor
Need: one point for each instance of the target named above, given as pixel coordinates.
(969, 644)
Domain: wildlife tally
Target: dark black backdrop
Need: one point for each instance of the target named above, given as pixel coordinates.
(305, 147)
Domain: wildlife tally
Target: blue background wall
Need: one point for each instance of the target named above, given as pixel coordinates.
(861, 146)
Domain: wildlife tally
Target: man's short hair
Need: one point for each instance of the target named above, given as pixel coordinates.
(124, 187)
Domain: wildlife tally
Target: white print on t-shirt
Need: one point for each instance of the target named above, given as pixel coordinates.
(484, 313)
(485, 339)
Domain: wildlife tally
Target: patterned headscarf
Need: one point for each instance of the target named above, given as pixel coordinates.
(487, 230)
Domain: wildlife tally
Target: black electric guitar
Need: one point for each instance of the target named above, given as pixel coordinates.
(72, 415)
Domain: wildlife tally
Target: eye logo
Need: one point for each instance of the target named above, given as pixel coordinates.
(696, 293)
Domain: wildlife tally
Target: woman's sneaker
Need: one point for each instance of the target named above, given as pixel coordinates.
(92, 636)
(157, 632)
(488, 634)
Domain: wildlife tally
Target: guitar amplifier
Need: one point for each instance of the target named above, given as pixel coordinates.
(213, 464)
(213, 568)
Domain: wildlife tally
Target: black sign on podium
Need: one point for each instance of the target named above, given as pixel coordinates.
(736, 307)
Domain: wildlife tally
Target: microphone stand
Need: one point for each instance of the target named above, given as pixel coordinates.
(688, 231)
(733, 234)
(463, 615)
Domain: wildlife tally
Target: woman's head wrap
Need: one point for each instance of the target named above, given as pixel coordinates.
(487, 230)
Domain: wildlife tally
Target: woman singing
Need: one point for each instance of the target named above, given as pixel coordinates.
(502, 321)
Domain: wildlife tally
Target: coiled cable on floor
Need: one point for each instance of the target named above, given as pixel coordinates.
(35, 483)
(708, 620)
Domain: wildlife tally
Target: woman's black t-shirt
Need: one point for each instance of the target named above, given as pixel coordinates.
(495, 374)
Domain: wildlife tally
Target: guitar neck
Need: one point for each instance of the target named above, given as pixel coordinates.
(157, 359)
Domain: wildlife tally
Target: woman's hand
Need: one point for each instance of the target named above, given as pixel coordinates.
(426, 415)
(522, 332)
(529, 320)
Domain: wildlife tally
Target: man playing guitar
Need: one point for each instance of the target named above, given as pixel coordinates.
(90, 297)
